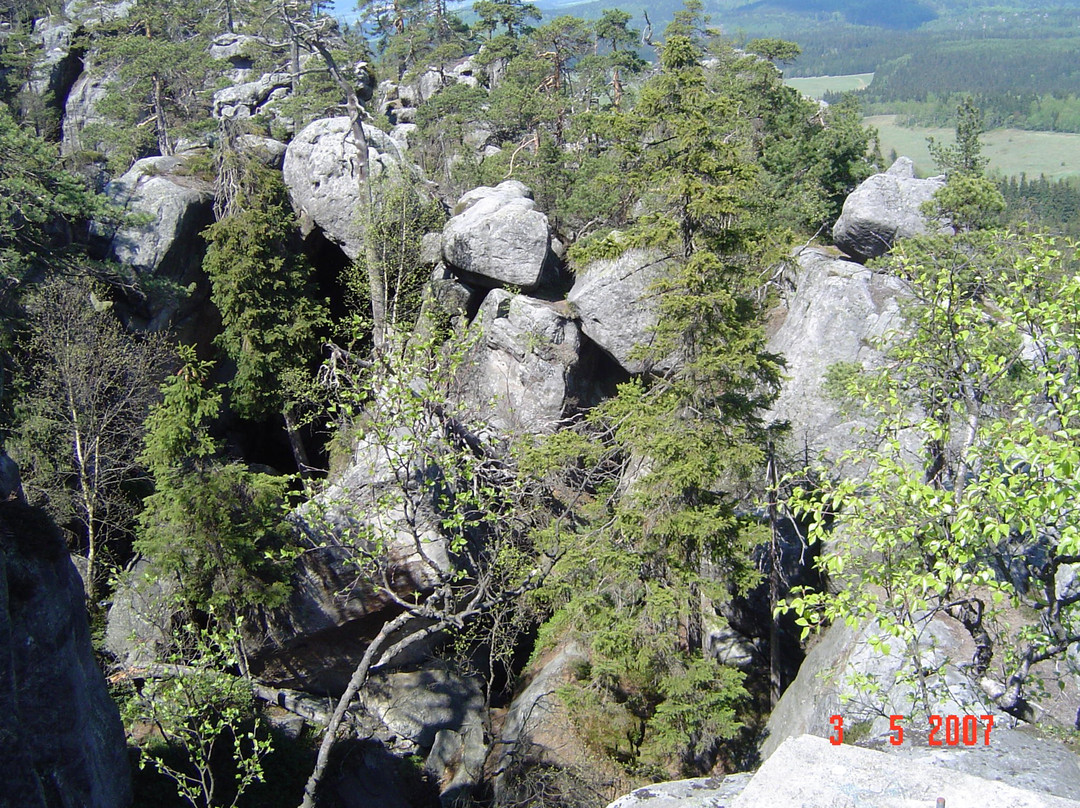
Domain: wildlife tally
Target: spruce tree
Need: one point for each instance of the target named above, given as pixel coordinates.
(263, 285)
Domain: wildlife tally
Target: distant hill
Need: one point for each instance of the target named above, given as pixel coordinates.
(759, 16)
(773, 17)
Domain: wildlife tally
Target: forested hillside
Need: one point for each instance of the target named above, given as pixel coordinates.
(412, 398)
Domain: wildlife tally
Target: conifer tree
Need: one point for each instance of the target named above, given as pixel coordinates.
(163, 70)
(264, 288)
(693, 428)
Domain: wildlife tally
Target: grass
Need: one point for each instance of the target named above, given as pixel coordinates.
(817, 86)
(1011, 152)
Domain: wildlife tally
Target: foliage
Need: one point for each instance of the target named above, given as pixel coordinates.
(984, 378)
(219, 527)
(410, 35)
(316, 93)
(513, 15)
(656, 472)
(969, 200)
(264, 288)
(446, 125)
(1049, 207)
(158, 52)
(439, 495)
(79, 425)
(203, 722)
(41, 205)
(397, 219)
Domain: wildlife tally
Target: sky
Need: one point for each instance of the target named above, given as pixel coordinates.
(344, 10)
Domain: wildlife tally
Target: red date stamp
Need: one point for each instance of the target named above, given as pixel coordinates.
(945, 730)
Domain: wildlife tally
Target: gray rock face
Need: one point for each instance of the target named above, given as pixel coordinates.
(61, 741)
(729, 647)
(425, 85)
(446, 300)
(1020, 757)
(538, 729)
(417, 705)
(248, 98)
(170, 245)
(58, 68)
(809, 771)
(456, 763)
(92, 12)
(322, 173)
(269, 152)
(1016, 755)
(140, 619)
(234, 48)
(617, 310)
(700, 792)
(497, 237)
(824, 685)
(884, 208)
(81, 110)
(522, 371)
(839, 312)
(316, 640)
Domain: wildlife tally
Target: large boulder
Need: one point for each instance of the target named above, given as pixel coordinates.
(266, 150)
(809, 771)
(417, 705)
(1017, 754)
(698, 792)
(521, 374)
(884, 208)
(247, 99)
(496, 237)
(169, 245)
(617, 308)
(141, 618)
(323, 174)
(839, 312)
(61, 740)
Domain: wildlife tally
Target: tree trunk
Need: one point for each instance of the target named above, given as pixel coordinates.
(776, 684)
(160, 123)
(357, 681)
(296, 443)
(356, 112)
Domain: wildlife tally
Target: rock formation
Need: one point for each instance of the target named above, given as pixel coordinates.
(884, 208)
(168, 244)
(523, 372)
(497, 237)
(61, 740)
(323, 174)
(617, 307)
(838, 312)
(849, 775)
(825, 687)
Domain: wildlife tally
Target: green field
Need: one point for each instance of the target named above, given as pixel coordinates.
(817, 86)
(1011, 152)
